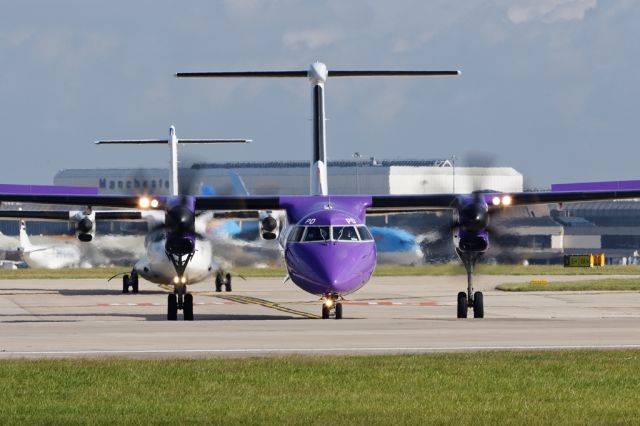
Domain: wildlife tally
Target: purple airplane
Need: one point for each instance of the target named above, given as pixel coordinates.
(328, 250)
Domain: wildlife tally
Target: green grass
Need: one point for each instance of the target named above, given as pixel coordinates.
(381, 271)
(607, 284)
(569, 387)
(69, 273)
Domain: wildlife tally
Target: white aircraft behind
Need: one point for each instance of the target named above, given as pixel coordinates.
(50, 256)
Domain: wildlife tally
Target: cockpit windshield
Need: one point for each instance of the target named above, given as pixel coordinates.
(317, 233)
(345, 233)
(329, 233)
(365, 235)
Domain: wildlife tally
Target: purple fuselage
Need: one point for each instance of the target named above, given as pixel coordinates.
(342, 256)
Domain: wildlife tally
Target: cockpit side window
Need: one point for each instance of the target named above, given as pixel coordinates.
(317, 233)
(345, 233)
(296, 234)
(365, 235)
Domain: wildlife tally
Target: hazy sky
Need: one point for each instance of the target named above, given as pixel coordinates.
(550, 86)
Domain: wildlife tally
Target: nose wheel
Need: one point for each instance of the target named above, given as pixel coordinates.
(130, 281)
(223, 279)
(470, 300)
(331, 304)
(180, 300)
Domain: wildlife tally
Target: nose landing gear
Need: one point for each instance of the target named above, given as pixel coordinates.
(180, 300)
(130, 281)
(331, 304)
(223, 279)
(470, 300)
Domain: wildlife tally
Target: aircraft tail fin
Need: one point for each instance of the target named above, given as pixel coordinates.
(173, 142)
(239, 188)
(25, 243)
(317, 75)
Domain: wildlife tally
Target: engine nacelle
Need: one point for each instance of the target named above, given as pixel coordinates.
(269, 225)
(85, 225)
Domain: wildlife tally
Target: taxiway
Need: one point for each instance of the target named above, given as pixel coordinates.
(90, 318)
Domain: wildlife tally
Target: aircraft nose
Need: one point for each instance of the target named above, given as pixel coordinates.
(321, 268)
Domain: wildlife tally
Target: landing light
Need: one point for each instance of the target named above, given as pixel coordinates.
(145, 203)
(183, 280)
(176, 280)
(495, 201)
(328, 303)
(506, 200)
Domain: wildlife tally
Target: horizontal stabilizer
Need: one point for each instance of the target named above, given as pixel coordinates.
(214, 141)
(304, 74)
(166, 141)
(245, 74)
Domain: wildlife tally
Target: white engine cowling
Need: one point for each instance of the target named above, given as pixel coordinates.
(269, 225)
(85, 225)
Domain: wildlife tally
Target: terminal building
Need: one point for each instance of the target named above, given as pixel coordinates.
(292, 178)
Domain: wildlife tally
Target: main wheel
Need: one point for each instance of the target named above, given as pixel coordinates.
(227, 282)
(478, 305)
(134, 282)
(462, 305)
(125, 283)
(218, 282)
(338, 310)
(188, 307)
(325, 312)
(172, 307)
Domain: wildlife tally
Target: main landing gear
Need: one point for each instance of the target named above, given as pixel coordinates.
(130, 281)
(470, 300)
(180, 300)
(330, 303)
(223, 279)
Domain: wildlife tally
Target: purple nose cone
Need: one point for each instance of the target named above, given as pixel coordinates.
(332, 267)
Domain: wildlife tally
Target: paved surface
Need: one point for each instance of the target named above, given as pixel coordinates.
(56, 318)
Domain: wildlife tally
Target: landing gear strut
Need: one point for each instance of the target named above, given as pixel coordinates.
(180, 300)
(223, 279)
(130, 281)
(330, 302)
(470, 300)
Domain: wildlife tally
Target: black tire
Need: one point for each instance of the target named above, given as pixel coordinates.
(172, 307)
(325, 312)
(125, 283)
(338, 310)
(227, 282)
(134, 282)
(478, 305)
(134, 287)
(462, 305)
(188, 307)
(218, 282)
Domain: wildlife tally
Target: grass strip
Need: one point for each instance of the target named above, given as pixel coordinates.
(607, 284)
(381, 271)
(549, 387)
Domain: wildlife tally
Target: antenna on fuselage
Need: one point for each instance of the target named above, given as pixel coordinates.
(317, 75)
(173, 142)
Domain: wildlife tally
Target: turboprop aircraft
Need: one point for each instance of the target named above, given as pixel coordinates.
(170, 253)
(328, 249)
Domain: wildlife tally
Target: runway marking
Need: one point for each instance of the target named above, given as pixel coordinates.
(248, 300)
(318, 350)
(386, 303)
(162, 304)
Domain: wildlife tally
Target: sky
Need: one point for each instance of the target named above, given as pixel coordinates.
(549, 87)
